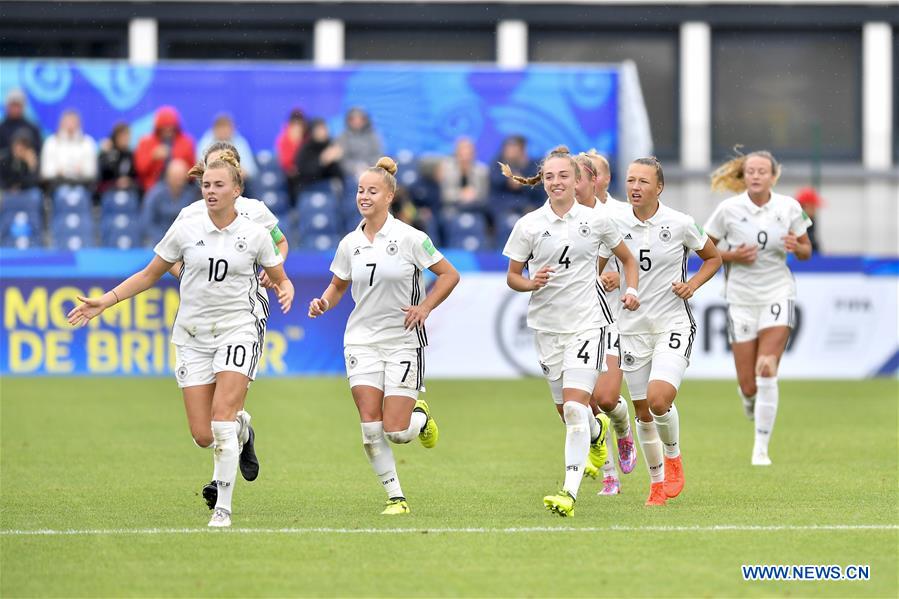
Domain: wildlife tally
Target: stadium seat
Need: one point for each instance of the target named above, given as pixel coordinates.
(118, 201)
(265, 160)
(316, 201)
(276, 200)
(72, 231)
(27, 200)
(123, 240)
(504, 223)
(319, 242)
(318, 223)
(114, 227)
(21, 229)
(466, 230)
(71, 198)
(268, 179)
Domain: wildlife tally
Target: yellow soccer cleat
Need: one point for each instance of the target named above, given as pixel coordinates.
(562, 504)
(598, 450)
(396, 506)
(590, 470)
(430, 433)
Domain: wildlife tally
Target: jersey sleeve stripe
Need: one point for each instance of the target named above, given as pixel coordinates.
(416, 296)
(603, 304)
(684, 280)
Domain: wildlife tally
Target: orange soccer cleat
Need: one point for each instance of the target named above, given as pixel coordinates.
(674, 476)
(657, 494)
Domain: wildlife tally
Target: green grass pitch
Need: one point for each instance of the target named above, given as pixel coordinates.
(114, 455)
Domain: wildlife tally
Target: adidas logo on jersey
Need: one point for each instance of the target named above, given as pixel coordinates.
(357, 252)
(546, 234)
(628, 236)
(200, 244)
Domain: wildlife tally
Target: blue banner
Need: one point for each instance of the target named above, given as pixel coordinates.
(423, 109)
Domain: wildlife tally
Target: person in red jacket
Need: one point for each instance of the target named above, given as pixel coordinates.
(167, 142)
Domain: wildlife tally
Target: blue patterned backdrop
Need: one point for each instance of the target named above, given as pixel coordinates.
(418, 108)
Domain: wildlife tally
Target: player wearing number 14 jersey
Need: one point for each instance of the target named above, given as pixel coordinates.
(759, 228)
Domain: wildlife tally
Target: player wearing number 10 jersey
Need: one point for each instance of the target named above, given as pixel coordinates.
(759, 228)
(385, 337)
(656, 340)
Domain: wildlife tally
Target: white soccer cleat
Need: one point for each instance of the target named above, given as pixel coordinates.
(221, 518)
(760, 458)
(243, 418)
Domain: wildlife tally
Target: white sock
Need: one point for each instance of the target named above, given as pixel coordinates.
(577, 444)
(416, 422)
(668, 425)
(380, 455)
(765, 411)
(595, 428)
(621, 418)
(648, 434)
(609, 469)
(225, 459)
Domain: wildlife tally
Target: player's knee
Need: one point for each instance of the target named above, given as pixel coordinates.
(766, 366)
(398, 437)
(606, 401)
(641, 410)
(748, 388)
(202, 439)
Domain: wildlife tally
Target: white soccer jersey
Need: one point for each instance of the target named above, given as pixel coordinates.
(737, 220)
(613, 207)
(386, 276)
(220, 294)
(661, 245)
(254, 210)
(569, 303)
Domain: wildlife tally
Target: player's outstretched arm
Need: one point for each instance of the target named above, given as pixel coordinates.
(281, 284)
(136, 283)
(631, 276)
(711, 262)
(516, 280)
(447, 279)
(330, 298)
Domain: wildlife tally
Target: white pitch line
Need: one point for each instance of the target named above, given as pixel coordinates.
(395, 531)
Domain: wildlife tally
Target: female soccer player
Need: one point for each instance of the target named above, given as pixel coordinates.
(592, 192)
(656, 340)
(385, 335)
(760, 228)
(221, 320)
(559, 244)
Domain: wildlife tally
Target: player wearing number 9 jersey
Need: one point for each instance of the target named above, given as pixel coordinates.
(559, 245)
(221, 320)
(656, 340)
(759, 229)
(385, 336)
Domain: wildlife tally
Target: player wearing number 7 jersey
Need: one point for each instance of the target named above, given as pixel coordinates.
(559, 245)
(385, 336)
(221, 321)
(759, 228)
(656, 340)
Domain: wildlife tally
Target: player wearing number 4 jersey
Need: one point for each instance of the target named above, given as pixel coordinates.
(759, 228)
(385, 335)
(656, 340)
(559, 245)
(221, 320)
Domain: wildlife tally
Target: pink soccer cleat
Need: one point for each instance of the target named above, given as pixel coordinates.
(627, 453)
(610, 486)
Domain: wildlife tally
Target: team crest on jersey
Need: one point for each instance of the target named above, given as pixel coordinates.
(181, 373)
(584, 230)
(392, 248)
(241, 244)
(665, 234)
(628, 359)
(352, 361)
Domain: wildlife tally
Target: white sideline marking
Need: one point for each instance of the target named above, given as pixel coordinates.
(395, 531)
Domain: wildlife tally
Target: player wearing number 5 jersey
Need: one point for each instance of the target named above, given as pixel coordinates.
(655, 341)
(559, 245)
(221, 320)
(385, 336)
(758, 228)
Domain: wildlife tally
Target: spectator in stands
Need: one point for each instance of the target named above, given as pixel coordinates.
(360, 143)
(319, 158)
(117, 160)
(166, 199)
(167, 142)
(463, 180)
(810, 201)
(507, 192)
(15, 121)
(18, 164)
(223, 129)
(69, 156)
(288, 145)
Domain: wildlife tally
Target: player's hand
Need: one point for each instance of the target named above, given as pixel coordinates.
(318, 306)
(610, 280)
(791, 242)
(541, 278)
(284, 291)
(682, 290)
(745, 254)
(265, 281)
(630, 302)
(415, 315)
(89, 308)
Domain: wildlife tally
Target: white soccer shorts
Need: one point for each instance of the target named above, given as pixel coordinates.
(198, 366)
(395, 371)
(745, 321)
(559, 352)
